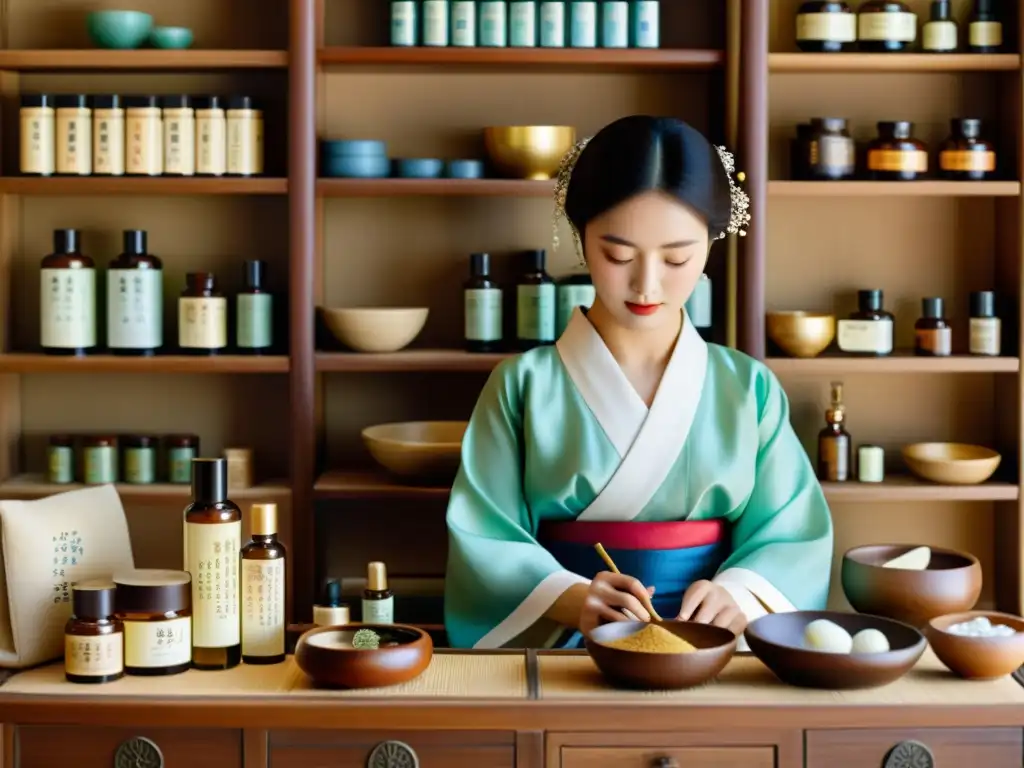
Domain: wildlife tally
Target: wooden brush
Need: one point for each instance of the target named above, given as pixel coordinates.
(615, 569)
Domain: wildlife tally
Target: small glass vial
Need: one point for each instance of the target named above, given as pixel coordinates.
(179, 136)
(263, 577)
(535, 303)
(180, 450)
(74, 135)
(404, 23)
(493, 23)
(139, 459)
(144, 135)
(583, 23)
(378, 599)
(573, 291)
(463, 24)
(940, 34)
(107, 136)
(984, 30)
(522, 22)
(482, 299)
(331, 612)
(832, 155)
(965, 155)
(834, 454)
(135, 299)
(436, 15)
(155, 607)
(896, 155)
(933, 335)
(202, 316)
(211, 136)
(986, 335)
(645, 24)
(869, 330)
(614, 24)
(60, 460)
(825, 26)
(93, 636)
(699, 307)
(243, 142)
(870, 464)
(38, 135)
(254, 321)
(67, 297)
(885, 26)
(552, 23)
(99, 460)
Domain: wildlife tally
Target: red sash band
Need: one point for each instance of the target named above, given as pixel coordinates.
(641, 535)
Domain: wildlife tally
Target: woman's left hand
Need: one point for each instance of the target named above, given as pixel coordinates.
(708, 603)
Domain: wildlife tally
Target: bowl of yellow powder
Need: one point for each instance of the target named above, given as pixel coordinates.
(660, 655)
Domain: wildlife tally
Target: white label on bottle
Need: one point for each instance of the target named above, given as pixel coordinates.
(242, 143)
(38, 142)
(74, 142)
(523, 20)
(212, 145)
(403, 22)
(645, 23)
(552, 24)
(95, 655)
(865, 336)
(145, 142)
(483, 314)
(211, 556)
(435, 22)
(584, 24)
(826, 27)
(464, 23)
(179, 142)
(493, 27)
(535, 312)
(379, 611)
(985, 336)
(615, 24)
(262, 607)
(203, 322)
(985, 34)
(68, 308)
(135, 308)
(939, 36)
(108, 142)
(897, 27)
(156, 644)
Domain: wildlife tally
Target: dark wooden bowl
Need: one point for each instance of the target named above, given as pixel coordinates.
(951, 583)
(664, 671)
(322, 654)
(778, 641)
(978, 658)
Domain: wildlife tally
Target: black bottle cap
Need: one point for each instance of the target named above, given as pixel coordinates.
(901, 129)
(93, 600)
(931, 308)
(829, 124)
(240, 102)
(535, 260)
(479, 264)
(66, 240)
(135, 241)
(72, 101)
(332, 593)
(199, 281)
(107, 101)
(968, 127)
(983, 304)
(869, 301)
(141, 102)
(940, 10)
(209, 102)
(984, 10)
(209, 480)
(37, 100)
(254, 272)
(177, 102)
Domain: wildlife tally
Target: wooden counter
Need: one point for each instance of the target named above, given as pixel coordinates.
(507, 710)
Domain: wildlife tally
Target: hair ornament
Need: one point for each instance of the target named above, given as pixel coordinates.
(739, 215)
(561, 188)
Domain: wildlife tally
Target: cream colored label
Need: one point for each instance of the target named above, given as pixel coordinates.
(94, 656)
(831, 27)
(331, 615)
(74, 141)
(145, 152)
(155, 644)
(985, 34)
(242, 130)
(865, 336)
(179, 142)
(108, 142)
(379, 611)
(203, 322)
(912, 160)
(212, 554)
(967, 160)
(67, 308)
(900, 27)
(38, 143)
(937, 341)
(939, 36)
(211, 144)
(985, 335)
(262, 607)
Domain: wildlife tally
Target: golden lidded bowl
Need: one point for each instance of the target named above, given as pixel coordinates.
(528, 151)
(801, 334)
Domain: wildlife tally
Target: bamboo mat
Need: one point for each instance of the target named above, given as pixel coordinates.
(747, 682)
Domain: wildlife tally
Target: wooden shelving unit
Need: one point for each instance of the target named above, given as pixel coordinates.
(36, 486)
(894, 189)
(425, 360)
(123, 185)
(56, 60)
(433, 187)
(811, 63)
(38, 363)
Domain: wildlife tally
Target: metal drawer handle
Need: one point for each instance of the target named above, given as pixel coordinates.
(392, 754)
(665, 762)
(909, 754)
(138, 752)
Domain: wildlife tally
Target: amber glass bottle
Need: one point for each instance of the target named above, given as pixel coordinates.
(834, 441)
(67, 306)
(825, 26)
(896, 155)
(965, 155)
(885, 26)
(933, 335)
(984, 31)
(202, 316)
(135, 294)
(93, 638)
(263, 569)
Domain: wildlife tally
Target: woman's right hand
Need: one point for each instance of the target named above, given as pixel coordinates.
(608, 596)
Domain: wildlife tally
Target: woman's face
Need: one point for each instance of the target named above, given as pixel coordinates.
(645, 257)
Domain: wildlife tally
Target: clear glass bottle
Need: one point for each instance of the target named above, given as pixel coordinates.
(984, 30)
(74, 135)
(202, 316)
(93, 636)
(933, 335)
(67, 297)
(179, 118)
(378, 599)
(645, 24)
(107, 135)
(263, 576)
(834, 442)
(522, 23)
(254, 323)
(38, 125)
(463, 24)
(985, 328)
(135, 299)
(436, 15)
(583, 23)
(614, 23)
(535, 303)
(493, 16)
(940, 34)
(482, 306)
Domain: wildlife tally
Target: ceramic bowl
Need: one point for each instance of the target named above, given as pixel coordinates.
(951, 463)
(358, 147)
(778, 641)
(978, 658)
(950, 584)
(119, 29)
(171, 38)
(662, 671)
(464, 169)
(419, 450)
(326, 655)
(528, 151)
(419, 167)
(355, 166)
(376, 329)
(801, 334)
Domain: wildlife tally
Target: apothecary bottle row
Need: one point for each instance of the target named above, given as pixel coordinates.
(132, 459)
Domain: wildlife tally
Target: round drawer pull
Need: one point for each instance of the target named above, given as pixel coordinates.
(138, 752)
(909, 754)
(665, 762)
(392, 754)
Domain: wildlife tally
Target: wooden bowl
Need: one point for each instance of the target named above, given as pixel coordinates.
(951, 583)
(325, 654)
(528, 151)
(778, 641)
(801, 334)
(951, 463)
(421, 450)
(376, 329)
(661, 671)
(978, 658)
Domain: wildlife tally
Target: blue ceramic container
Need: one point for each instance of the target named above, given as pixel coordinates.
(353, 147)
(465, 169)
(355, 166)
(121, 30)
(419, 168)
(170, 38)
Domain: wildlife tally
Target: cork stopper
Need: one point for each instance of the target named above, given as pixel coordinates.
(376, 576)
(263, 519)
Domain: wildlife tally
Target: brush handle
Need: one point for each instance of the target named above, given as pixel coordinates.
(646, 602)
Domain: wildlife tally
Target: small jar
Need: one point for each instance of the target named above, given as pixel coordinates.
(965, 155)
(885, 26)
(38, 135)
(940, 34)
(463, 23)
(243, 141)
(986, 336)
(522, 23)
(869, 330)
(404, 23)
(832, 154)
(553, 22)
(896, 155)
(107, 136)
(180, 450)
(493, 18)
(870, 464)
(156, 609)
(93, 636)
(583, 23)
(614, 24)
(436, 15)
(60, 460)
(825, 26)
(933, 335)
(202, 316)
(144, 136)
(139, 459)
(74, 135)
(645, 25)
(179, 136)
(211, 136)
(99, 460)
(800, 152)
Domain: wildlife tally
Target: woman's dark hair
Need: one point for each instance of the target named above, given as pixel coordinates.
(642, 154)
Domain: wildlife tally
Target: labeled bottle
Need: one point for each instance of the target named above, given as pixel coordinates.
(179, 118)
(583, 23)
(940, 34)
(614, 24)
(99, 459)
(645, 24)
(181, 449)
(699, 307)
(552, 23)
(202, 316)
(38, 135)
(213, 539)
(93, 637)
(404, 23)
(825, 26)
(933, 335)
(107, 136)
(74, 135)
(493, 23)
(144, 136)
(535, 303)
(435, 23)
(378, 599)
(463, 23)
(263, 574)
(965, 155)
(139, 453)
(211, 136)
(254, 324)
(984, 30)
(834, 441)
(483, 310)
(60, 460)
(986, 335)
(67, 297)
(896, 155)
(331, 612)
(831, 153)
(885, 26)
(522, 23)
(573, 291)
(135, 298)
(869, 330)
(155, 607)
(244, 126)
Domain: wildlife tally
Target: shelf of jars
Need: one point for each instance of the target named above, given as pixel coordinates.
(902, 361)
(36, 486)
(137, 185)
(187, 60)
(25, 362)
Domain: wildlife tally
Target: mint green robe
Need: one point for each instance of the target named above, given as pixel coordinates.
(559, 434)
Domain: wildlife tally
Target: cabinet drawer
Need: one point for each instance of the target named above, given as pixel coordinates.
(432, 749)
(670, 757)
(42, 746)
(988, 747)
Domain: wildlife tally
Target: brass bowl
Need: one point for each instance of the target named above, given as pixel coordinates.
(375, 329)
(801, 334)
(418, 450)
(951, 463)
(977, 658)
(528, 151)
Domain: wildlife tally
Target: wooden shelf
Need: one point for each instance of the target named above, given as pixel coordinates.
(35, 487)
(899, 362)
(99, 59)
(337, 484)
(810, 63)
(425, 360)
(434, 187)
(187, 364)
(137, 185)
(894, 188)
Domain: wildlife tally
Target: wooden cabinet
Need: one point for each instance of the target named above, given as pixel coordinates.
(383, 749)
(667, 757)
(733, 749)
(884, 748)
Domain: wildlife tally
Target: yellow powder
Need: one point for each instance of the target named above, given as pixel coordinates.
(652, 639)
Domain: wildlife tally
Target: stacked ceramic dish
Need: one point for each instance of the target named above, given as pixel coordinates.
(368, 159)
